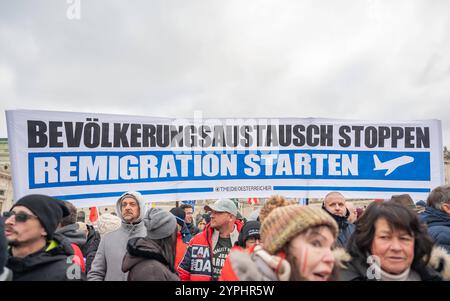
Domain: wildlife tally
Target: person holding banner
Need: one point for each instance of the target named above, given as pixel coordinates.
(107, 264)
(334, 203)
(207, 251)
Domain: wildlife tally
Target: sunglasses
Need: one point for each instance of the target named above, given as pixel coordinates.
(19, 216)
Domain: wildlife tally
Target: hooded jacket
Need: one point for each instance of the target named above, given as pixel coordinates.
(74, 234)
(52, 263)
(107, 264)
(145, 262)
(346, 228)
(438, 223)
(197, 262)
(90, 248)
(78, 239)
(438, 268)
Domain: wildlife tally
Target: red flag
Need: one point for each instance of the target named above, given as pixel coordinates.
(93, 214)
(253, 201)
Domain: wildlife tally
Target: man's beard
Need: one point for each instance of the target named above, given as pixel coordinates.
(14, 243)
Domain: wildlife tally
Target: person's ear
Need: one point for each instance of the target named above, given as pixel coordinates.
(44, 233)
(446, 208)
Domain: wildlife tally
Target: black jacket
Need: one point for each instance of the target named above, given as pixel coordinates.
(145, 262)
(90, 248)
(346, 229)
(52, 263)
(438, 223)
(193, 229)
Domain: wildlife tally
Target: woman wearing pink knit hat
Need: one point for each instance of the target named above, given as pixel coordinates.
(297, 244)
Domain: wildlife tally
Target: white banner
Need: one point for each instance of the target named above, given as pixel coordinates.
(91, 159)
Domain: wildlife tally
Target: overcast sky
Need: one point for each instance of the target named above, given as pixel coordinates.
(360, 59)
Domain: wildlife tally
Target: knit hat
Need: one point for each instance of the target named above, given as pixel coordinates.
(179, 214)
(284, 223)
(160, 224)
(48, 210)
(250, 229)
(108, 222)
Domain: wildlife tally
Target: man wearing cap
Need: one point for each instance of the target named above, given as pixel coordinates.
(36, 252)
(107, 264)
(207, 251)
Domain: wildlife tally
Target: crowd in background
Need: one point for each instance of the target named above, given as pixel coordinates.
(42, 238)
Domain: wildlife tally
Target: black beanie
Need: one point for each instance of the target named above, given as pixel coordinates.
(250, 229)
(3, 246)
(49, 211)
(179, 214)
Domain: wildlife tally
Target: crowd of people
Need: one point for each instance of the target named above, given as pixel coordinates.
(42, 238)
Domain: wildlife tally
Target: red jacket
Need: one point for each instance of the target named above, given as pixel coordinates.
(228, 273)
(181, 249)
(197, 262)
(78, 257)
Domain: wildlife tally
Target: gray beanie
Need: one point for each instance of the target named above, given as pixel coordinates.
(160, 223)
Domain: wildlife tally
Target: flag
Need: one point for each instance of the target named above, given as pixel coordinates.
(253, 201)
(93, 214)
(189, 202)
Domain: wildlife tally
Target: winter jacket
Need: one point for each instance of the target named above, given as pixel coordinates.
(107, 264)
(77, 239)
(90, 248)
(181, 249)
(438, 268)
(193, 229)
(186, 235)
(346, 229)
(144, 261)
(52, 263)
(438, 223)
(197, 262)
(227, 273)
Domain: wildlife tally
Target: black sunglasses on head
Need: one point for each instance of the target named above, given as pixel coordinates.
(19, 216)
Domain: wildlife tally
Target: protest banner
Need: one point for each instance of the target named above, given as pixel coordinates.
(91, 159)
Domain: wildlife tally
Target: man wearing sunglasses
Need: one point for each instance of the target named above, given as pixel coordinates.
(36, 252)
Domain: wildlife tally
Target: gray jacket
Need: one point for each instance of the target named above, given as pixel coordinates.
(107, 264)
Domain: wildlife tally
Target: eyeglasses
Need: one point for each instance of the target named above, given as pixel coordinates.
(19, 216)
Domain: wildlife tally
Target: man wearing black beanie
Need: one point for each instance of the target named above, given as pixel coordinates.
(36, 252)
